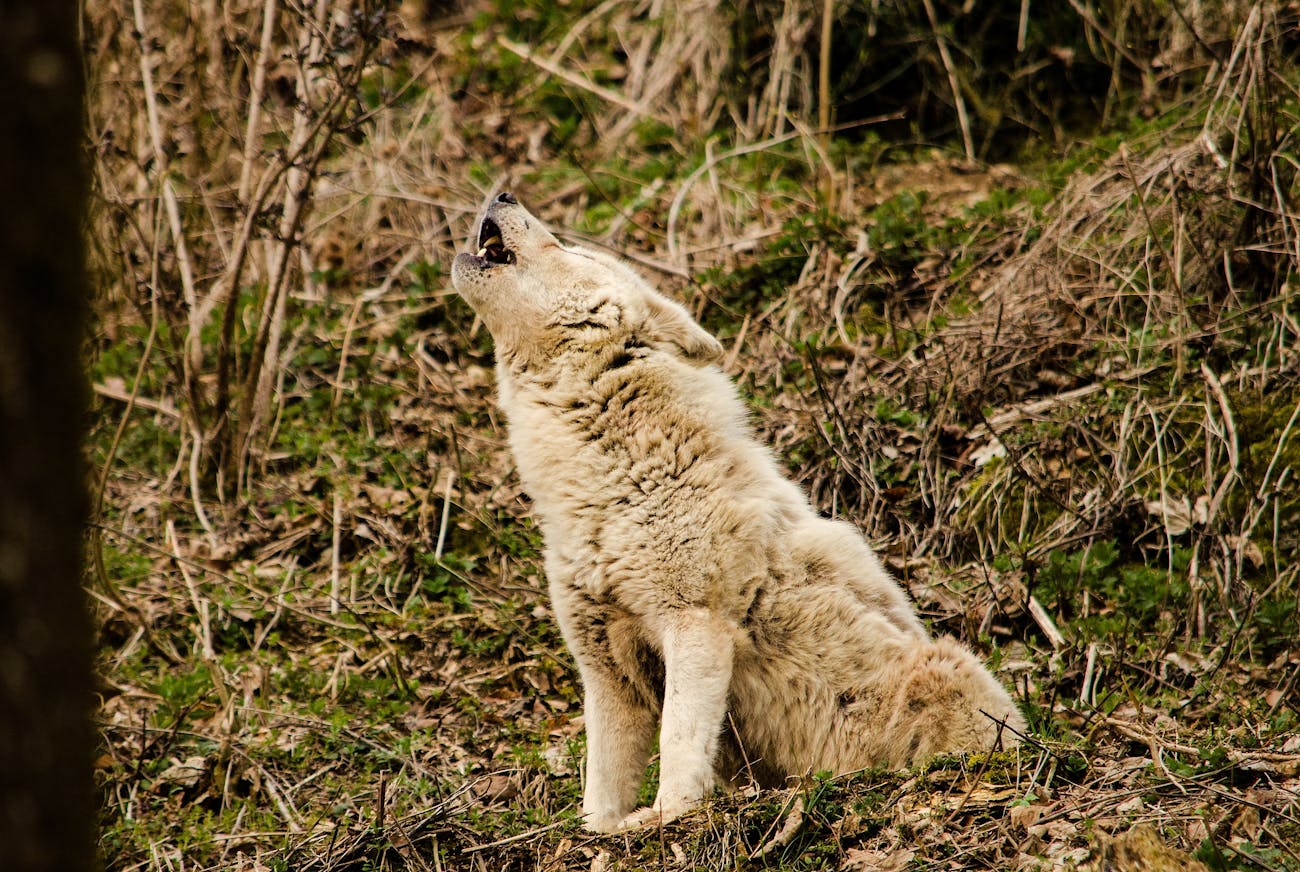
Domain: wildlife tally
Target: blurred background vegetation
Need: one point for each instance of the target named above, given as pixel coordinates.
(1012, 286)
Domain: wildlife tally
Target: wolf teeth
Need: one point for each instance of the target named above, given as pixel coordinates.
(482, 251)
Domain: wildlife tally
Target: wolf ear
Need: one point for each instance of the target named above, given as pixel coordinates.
(670, 324)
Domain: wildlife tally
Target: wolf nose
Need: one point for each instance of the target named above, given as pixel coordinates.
(507, 197)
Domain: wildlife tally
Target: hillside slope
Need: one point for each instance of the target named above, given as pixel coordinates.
(1039, 340)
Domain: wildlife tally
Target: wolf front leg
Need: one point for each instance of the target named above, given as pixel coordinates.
(620, 730)
(698, 648)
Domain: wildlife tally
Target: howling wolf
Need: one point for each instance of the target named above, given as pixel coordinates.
(703, 598)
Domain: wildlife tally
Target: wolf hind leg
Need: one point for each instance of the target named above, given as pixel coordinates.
(950, 703)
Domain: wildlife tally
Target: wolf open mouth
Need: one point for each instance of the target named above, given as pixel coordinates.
(490, 246)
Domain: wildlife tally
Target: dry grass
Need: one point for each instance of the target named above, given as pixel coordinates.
(1069, 417)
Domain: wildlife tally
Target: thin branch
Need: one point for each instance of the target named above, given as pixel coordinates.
(968, 144)
(606, 94)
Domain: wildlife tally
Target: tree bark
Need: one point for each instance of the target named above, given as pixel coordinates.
(47, 809)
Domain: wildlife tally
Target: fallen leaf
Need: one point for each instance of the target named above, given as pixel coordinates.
(989, 451)
(184, 773)
(1132, 805)
(1056, 831)
(863, 860)
(559, 760)
(1024, 816)
(1175, 512)
(497, 787)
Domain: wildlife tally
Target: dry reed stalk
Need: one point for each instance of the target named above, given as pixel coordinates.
(245, 188)
(252, 131)
(787, 68)
(954, 84)
(147, 63)
(226, 290)
(1123, 253)
(679, 199)
(634, 108)
(264, 361)
(675, 64)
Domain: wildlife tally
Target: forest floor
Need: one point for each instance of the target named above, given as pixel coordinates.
(1059, 394)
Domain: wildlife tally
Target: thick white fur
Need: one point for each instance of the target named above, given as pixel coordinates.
(698, 590)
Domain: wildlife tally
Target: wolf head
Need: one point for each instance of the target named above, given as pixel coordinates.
(539, 297)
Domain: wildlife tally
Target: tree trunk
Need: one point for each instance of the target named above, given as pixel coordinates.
(47, 812)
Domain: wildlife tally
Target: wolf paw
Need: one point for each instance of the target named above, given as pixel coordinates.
(653, 816)
(598, 822)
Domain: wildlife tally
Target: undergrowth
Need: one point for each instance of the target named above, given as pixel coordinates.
(1058, 393)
